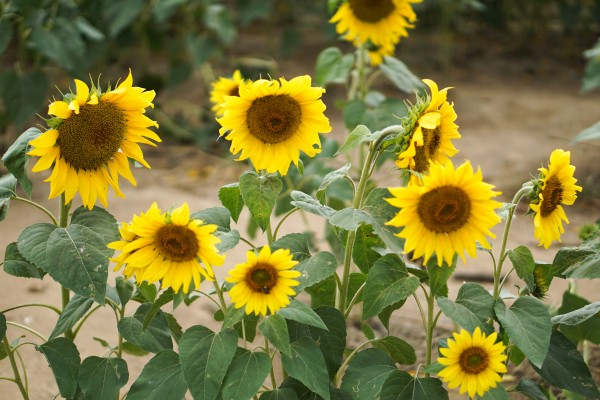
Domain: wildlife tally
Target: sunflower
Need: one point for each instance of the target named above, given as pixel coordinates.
(271, 122)
(451, 211)
(430, 128)
(264, 281)
(381, 22)
(169, 247)
(555, 187)
(376, 53)
(91, 139)
(473, 362)
(224, 87)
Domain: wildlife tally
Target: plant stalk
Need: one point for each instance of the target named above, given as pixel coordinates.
(63, 220)
(429, 333)
(13, 364)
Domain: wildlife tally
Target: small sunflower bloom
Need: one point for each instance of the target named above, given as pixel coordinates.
(447, 214)
(380, 22)
(272, 121)
(556, 187)
(431, 128)
(264, 282)
(225, 87)
(473, 362)
(169, 247)
(92, 138)
(377, 53)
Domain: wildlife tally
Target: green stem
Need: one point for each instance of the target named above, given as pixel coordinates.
(120, 339)
(25, 378)
(502, 256)
(286, 216)
(15, 369)
(63, 223)
(28, 329)
(38, 206)
(85, 317)
(221, 298)
(429, 333)
(56, 310)
(362, 184)
(354, 300)
(341, 370)
(269, 234)
(272, 373)
(249, 243)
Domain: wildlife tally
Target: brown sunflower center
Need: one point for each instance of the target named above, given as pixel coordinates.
(274, 118)
(432, 139)
(91, 138)
(261, 278)
(473, 360)
(371, 10)
(444, 209)
(177, 243)
(552, 194)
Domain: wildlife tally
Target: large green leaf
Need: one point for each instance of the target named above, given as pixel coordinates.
(358, 135)
(524, 264)
(400, 350)
(308, 366)
(155, 338)
(124, 288)
(8, 187)
(579, 262)
(438, 276)
(32, 243)
(102, 378)
(16, 265)
(565, 368)
(298, 244)
(332, 177)
(99, 220)
(582, 325)
(315, 269)
(219, 216)
(279, 394)
(73, 312)
(260, 194)
(323, 293)
(400, 75)
(528, 325)
(77, 258)
(332, 66)
(231, 198)
(300, 312)
(15, 159)
(399, 385)
(205, 357)
(63, 358)
(160, 379)
(332, 341)
(247, 372)
(495, 393)
(363, 251)
(388, 282)
(310, 204)
(474, 306)
(578, 316)
(367, 373)
(274, 328)
(382, 212)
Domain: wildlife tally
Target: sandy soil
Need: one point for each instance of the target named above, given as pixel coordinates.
(509, 125)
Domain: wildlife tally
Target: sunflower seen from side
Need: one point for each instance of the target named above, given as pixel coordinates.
(447, 214)
(92, 137)
(169, 247)
(473, 362)
(430, 128)
(264, 282)
(380, 22)
(225, 87)
(554, 189)
(272, 121)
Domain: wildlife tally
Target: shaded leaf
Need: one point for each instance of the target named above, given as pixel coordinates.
(32, 243)
(300, 312)
(367, 373)
(247, 372)
(260, 194)
(308, 366)
(160, 379)
(231, 198)
(400, 75)
(298, 244)
(73, 312)
(315, 269)
(399, 350)
(16, 265)
(155, 338)
(98, 220)
(102, 378)
(274, 328)
(63, 357)
(332, 66)
(15, 159)
(399, 385)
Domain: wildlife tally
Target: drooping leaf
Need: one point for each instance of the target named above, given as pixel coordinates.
(360, 134)
(260, 194)
(308, 366)
(124, 289)
(165, 298)
(16, 265)
(496, 393)
(524, 264)
(474, 306)
(219, 216)
(8, 187)
(579, 262)
(77, 258)
(73, 312)
(247, 372)
(15, 159)
(98, 220)
(102, 378)
(332, 177)
(63, 358)
(155, 338)
(161, 378)
(400, 75)
(528, 325)
(367, 373)
(363, 251)
(399, 385)
(565, 368)
(577, 316)
(332, 66)
(32, 243)
(438, 276)
(310, 204)
(205, 357)
(587, 328)
(298, 244)
(300, 312)
(399, 350)
(231, 198)
(530, 389)
(274, 328)
(387, 283)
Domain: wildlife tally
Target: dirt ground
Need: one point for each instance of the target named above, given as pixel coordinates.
(510, 120)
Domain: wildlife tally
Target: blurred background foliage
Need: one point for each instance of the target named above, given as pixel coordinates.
(169, 42)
